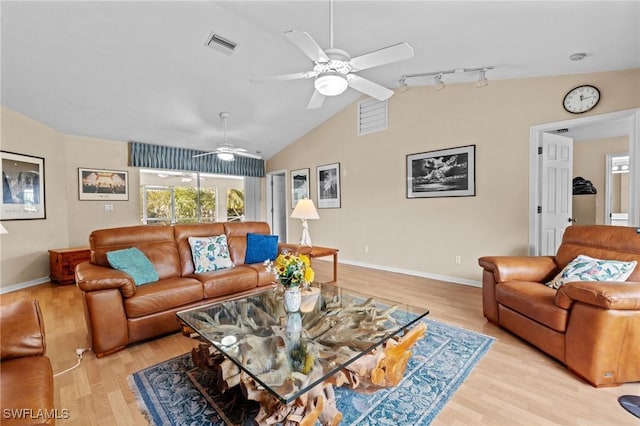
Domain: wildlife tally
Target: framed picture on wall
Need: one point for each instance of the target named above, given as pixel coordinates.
(443, 173)
(328, 178)
(99, 184)
(299, 186)
(22, 187)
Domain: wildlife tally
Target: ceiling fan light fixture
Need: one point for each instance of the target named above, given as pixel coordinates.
(331, 83)
(225, 156)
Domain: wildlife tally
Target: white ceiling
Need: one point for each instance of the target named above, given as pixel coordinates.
(140, 71)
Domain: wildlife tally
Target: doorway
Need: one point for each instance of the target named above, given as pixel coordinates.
(617, 124)
(277, 204)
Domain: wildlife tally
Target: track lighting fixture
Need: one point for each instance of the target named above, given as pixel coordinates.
(482, 79)
(403, 85)
(437, 77)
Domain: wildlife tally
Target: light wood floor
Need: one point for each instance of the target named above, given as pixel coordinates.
(514, 384)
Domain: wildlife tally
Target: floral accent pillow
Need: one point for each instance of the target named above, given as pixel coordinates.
(585, 268)
(210, 253)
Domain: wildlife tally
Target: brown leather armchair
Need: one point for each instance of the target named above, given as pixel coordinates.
(591, 327)
(26, 377)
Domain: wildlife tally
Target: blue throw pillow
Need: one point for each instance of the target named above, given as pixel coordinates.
(260, 248)
(133, 262)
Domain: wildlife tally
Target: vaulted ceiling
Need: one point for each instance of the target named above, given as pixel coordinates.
(141, 71)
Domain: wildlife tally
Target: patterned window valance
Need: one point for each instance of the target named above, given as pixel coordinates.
(173, 158)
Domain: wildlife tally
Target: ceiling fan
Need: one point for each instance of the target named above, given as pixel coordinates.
(334, 69)
(226, 151)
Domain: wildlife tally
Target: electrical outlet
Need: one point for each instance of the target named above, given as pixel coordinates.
(458, 260)
(366, 249)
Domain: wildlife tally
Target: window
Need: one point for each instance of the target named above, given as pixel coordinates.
(235, 204)
(179, 197)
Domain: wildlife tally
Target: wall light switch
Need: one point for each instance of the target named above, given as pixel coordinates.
(108, 207)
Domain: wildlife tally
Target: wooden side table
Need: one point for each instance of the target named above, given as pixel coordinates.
(62, 263)
(326, 251)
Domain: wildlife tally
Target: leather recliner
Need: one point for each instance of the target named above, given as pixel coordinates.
(26, 377)
(592, 327)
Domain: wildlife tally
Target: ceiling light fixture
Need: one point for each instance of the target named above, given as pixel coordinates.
(437, 76)
(578, 56)
(331, 83)
(225, 156)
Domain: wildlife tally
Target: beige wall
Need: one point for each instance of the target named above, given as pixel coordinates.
(589, 161)
(423, 236)
(24, 257)
(23, 251)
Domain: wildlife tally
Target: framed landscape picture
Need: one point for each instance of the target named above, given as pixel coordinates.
(328, 186)
(98, 184)
(443, 173)
(22, 187)
(299, 186)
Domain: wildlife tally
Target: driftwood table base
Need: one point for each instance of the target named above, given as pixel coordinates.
(381, 368)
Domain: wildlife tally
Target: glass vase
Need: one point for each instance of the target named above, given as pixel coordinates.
(292, 299)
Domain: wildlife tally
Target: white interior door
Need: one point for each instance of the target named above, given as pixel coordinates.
(278, 208)
(556, 190)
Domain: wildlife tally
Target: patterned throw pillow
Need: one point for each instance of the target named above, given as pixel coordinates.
(585, 268)
(210, 253)
(133, 262)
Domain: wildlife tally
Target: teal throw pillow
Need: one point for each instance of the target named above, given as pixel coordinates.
(135, 263)
(260, 248)
(210, 253)
(585, 268)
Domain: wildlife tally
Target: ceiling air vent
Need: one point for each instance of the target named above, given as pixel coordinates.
(221, 44)
(372, 116)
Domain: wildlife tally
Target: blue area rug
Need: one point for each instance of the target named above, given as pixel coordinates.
(176, 393)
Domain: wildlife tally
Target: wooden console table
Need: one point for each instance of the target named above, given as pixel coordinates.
(326, 251)
(62, 263)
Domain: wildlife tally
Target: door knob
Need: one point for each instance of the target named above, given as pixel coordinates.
(572, 220)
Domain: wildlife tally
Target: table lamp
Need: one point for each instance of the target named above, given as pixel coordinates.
(305, 210)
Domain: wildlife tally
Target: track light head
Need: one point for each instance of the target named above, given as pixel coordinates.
(439, 83)
(482, 79)
(403, 85)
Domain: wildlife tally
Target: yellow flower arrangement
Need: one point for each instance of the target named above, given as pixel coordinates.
(291, 270)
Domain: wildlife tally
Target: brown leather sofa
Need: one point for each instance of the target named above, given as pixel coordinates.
(118, 313)
(26, 377)
(591, 327)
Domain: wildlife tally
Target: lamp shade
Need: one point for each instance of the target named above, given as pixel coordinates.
(3, 230)
(305, 210)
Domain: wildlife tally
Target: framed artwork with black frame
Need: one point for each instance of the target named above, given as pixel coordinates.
(328, 178)
(442, 173)
(22, 187)
(100, 184)
(299, 186)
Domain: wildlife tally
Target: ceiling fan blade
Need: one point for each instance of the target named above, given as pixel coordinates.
(246, 154)
(317, 99)
(308, 45)
(284, 77)
(386, 55)
(368, 87)
(204, 154)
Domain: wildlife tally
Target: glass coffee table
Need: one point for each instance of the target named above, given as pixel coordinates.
(340, 337)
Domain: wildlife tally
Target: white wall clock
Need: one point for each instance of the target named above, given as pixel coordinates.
(581, 99)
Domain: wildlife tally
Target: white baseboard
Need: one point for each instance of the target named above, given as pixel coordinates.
(456, 280)
(21, 286)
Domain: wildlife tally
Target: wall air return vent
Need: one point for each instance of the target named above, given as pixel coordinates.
(221, 44)
(372, 116)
